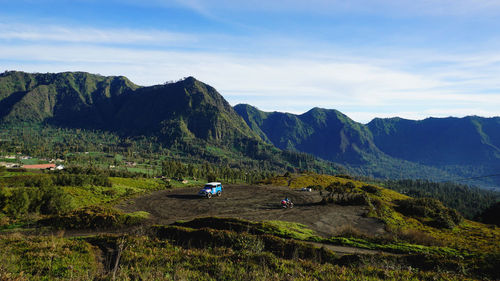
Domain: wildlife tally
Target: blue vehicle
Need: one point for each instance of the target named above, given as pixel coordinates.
(211, 189)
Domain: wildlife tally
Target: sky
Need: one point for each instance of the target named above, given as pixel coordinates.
(367, 58)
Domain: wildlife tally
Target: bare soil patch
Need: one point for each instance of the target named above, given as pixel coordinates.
(255, 203)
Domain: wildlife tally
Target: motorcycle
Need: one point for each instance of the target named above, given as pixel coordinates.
(286, 204)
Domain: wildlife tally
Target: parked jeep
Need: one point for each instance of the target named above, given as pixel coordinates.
(210, 189)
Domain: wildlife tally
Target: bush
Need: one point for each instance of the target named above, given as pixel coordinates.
(371, 189)
(18, 202)
(205, 237)
(490, 215)
(94, 217)
(3, 198)
(89, 217)
(416, 236)
(425, 208)
(344, 176)
(110, 192)
(56, 201)
(355, 199)
(38, 181)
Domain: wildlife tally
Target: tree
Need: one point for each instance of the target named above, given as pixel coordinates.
(211, 177)
(18, 202)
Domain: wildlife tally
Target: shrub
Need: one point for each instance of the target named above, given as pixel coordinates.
(355, 199)
(56, 201)
(3, 198)
(418, 237)
(94, 217)
(38, 181)
(205, 237)
(371, 189)
(490, 215)
(18, 202)
(110, 192)
(89, 217)
(134, 218)
(430, 208)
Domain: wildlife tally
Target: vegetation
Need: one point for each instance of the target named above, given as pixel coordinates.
(387, 148)
(469, 201)
(490, 215)
(431, 211)
(94, 217)
(200, 253)
(208, 248)
(193, 123)
(118, 140)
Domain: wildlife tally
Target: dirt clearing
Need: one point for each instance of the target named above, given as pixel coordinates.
(255, 203)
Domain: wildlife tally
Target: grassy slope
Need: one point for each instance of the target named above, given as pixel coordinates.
(469, 235)
(242, 250)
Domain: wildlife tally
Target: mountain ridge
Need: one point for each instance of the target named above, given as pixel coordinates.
(458, 147)
(192, 112)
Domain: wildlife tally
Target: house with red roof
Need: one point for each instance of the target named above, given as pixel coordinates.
(40, 166)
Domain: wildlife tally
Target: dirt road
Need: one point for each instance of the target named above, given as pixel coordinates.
(256, 203)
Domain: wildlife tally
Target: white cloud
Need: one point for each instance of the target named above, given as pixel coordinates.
(57, 33)
(412, 84)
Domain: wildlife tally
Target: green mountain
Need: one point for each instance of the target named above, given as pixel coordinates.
(440, 141)
(188, 117)
(328, 134)
(434, 148)
(191, 117)
(187, 108)
(74, 99)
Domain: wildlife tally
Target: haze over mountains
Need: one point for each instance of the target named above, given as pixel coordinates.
(434, 148)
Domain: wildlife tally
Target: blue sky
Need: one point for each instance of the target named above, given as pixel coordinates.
(366, 58)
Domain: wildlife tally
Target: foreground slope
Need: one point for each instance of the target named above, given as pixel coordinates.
(374, 233)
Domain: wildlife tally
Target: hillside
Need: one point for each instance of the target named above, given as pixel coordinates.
(101, 227)
(434, 148)
(191, 119)
(328, 134)
(187, 119)
(440, 141)
(187, 108)
(73, 99)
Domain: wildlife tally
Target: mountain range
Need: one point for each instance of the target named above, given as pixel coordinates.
(191, 111)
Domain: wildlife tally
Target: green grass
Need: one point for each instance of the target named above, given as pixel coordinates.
(46, 258)
(137, 183)
(147, 258)
(139, 215)
(288, 229)
(33, 161)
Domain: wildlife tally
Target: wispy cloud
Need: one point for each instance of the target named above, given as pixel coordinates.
(365, 90)
(384, 7)
(58, 33)
(294, 76)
